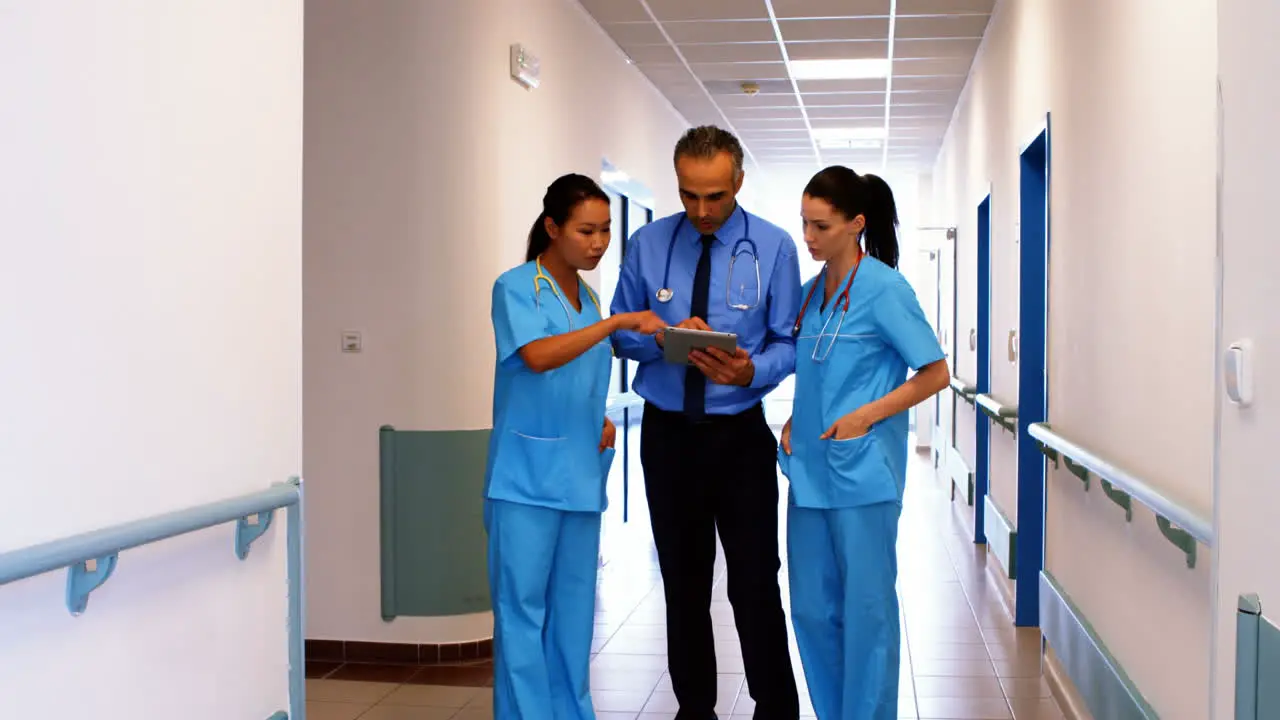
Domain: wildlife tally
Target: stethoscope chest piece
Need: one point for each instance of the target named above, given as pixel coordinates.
(665, 295)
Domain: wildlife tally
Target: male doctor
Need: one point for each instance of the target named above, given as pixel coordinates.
(708, 454)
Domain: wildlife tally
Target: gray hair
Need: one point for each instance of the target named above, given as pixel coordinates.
(707, 141)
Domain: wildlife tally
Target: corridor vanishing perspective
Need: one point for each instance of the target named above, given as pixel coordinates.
(962, 657)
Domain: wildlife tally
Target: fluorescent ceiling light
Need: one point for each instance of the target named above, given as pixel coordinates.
(839, 69)
(849, 144)
(875, 132)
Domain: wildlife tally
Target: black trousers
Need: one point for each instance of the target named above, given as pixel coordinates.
(718, 474)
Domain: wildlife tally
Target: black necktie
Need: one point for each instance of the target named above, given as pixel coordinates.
(695, 383)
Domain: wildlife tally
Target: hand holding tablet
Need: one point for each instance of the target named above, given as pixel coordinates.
(678, 342)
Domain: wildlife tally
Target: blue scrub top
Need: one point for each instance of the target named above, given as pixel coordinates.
(764, 330)
(545, 446)
(884, 333)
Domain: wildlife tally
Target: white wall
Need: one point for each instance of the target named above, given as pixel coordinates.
(1248, 497)
(1131, 295)
(150, 280)
(425, 166)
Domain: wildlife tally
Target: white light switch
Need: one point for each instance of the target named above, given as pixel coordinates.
(351, 341)
(1237, 368)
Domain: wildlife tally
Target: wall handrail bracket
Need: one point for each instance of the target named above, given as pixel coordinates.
(1181, 526)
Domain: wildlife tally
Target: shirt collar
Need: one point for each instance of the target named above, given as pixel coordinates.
(731, 231)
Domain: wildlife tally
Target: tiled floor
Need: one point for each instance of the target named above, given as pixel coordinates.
(961, 660)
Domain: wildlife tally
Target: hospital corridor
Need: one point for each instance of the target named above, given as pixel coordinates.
(435, 359)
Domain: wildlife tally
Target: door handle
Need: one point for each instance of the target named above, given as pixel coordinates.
(973, 339)
(1013, 346)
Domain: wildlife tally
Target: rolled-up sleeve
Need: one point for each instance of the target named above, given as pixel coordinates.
(516, 320)
(630, 296)
(902, 323)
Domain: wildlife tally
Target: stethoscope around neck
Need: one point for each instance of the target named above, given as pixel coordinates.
(665, 293)
(841, 298)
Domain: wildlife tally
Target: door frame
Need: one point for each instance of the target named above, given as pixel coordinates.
(1033, 378)
(982, 381)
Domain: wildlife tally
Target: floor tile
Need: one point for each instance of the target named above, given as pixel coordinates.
(949, 651)
(622, 679)
(408, 712)
(953, 668)
(630, 662)
(434, 696)
(619, 700)
(454, 675)
(334, 710)
(348, 692)
(374, 673)
(1035, 709)
(1020, 688)
(958, 687)
(1027, 668)
(635, 646)
(964, 709)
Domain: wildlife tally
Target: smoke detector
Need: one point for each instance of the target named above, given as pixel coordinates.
(750, 88)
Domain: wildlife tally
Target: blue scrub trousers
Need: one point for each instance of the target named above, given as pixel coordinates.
(843, 568)
(542, 573)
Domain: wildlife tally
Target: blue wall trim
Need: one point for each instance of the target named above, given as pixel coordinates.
(1033, 390)
(1002, 538)
(982, 455)
(1248, 624)
(1257, 661)
(1094, 671)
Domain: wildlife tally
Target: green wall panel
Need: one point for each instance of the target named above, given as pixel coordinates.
(433, 540)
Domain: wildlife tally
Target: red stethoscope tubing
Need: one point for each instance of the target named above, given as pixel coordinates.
(844, 295)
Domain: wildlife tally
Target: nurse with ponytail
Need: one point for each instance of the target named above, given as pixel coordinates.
(549, 456)
(844, 449)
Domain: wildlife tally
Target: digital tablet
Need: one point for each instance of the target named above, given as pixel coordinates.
(677, 342)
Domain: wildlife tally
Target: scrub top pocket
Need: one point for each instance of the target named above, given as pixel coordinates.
(859, 471)
(547, 468)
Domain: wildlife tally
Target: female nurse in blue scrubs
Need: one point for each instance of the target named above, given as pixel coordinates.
(549, 457)
(845, 447)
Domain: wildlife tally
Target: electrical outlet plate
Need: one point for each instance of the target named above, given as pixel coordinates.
(351, 341)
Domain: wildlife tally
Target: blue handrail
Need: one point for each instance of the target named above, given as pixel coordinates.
(90, 558)
(1162, 505)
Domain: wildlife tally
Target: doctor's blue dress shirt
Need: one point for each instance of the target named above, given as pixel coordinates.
(764, 331)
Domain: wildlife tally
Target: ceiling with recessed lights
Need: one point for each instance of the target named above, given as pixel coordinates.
(871, 84)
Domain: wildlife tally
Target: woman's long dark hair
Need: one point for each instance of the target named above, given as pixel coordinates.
(866, 195)
(562, 198)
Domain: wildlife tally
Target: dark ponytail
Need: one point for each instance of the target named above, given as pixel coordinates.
(866, 195)
(562, 198)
